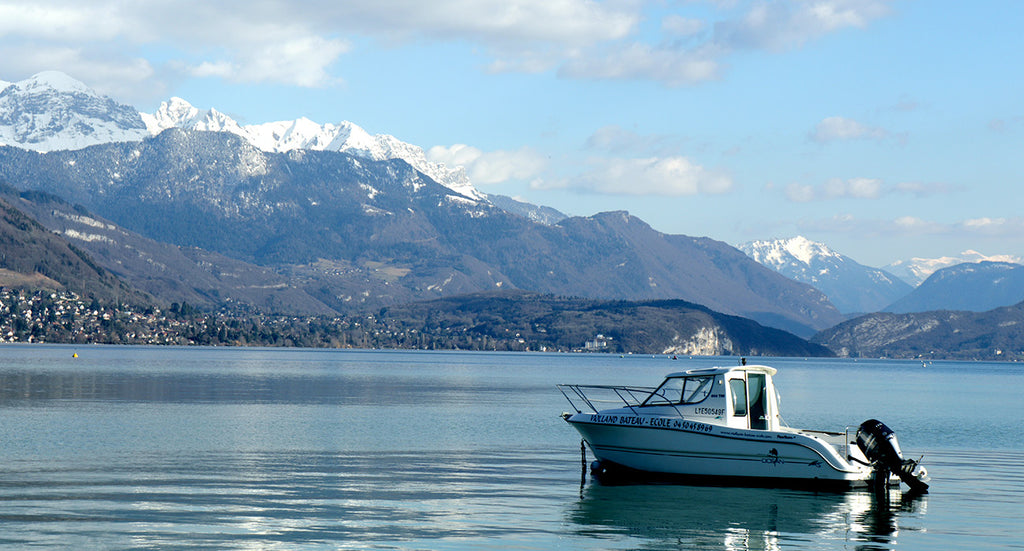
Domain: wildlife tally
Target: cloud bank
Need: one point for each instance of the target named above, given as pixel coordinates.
(124, 44)
(862, 188)
(492, 167)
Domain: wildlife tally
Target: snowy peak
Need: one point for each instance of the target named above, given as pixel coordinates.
(54, 81)
(792, 252)
(178, 113)
(290, 135)
(285, 136)
(850, 286)
(916, 270)
(52, 111)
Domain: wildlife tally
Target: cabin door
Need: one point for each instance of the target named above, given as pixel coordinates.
(758, 411)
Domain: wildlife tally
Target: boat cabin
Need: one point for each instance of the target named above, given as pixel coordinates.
(742, 397)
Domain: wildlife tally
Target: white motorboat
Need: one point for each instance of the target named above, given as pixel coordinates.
(722, 425)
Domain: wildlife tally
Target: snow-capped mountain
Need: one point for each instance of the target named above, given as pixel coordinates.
(850, 286)
(52, 111)
(283, 136)
(916, 270)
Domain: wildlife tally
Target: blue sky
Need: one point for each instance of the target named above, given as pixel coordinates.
(888, 129)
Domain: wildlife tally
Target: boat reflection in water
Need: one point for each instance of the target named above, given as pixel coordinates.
(735, 518)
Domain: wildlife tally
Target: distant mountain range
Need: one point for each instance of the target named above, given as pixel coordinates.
(916, 270)
(974, 287)
(850, 286)
(938, 335)
(969, 311)
(349, 231)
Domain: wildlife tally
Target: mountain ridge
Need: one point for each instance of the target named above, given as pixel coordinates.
(993, 335)
(404, 236)
(968, 286)
(916, 270)
(32, 257)
(26, 120)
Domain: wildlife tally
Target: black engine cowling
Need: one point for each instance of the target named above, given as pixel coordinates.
(879, 444)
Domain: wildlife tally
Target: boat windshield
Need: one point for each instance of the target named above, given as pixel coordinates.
(680, 390)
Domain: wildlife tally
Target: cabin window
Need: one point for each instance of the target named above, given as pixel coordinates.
(695, 389)
(738, 389)
(681, 390)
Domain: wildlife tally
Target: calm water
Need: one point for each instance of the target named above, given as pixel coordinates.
(173, 448)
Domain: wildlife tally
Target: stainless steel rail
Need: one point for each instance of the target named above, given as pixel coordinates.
(614, 396)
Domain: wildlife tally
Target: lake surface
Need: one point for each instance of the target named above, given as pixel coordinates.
(218, 448)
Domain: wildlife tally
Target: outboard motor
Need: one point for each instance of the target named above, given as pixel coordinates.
(879, 444)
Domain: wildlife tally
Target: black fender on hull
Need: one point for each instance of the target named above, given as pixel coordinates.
(879, 444)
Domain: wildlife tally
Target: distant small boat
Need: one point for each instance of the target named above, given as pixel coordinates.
(722, 425)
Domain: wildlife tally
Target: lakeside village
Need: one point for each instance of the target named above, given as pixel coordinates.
(64, 317)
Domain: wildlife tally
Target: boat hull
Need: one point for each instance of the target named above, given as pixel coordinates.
(682, 448)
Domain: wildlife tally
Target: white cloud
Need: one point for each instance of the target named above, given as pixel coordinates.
(301, 61)
(491, 167)
(1012, 227)
(782, 25)
(626, 162)
(664, 176)
(916, 226)
(614, 139)
(925, 189)
(665, 64)
(62, 22)
(679, 26)
(836, 188)
(800, 193)
(498, 23)
(861, 188)
(113, 75)
(858, 188)
(913, 224)
(841, 128)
